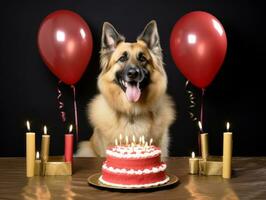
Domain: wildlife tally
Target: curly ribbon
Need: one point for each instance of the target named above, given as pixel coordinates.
(192, 103)
(60, 103)
(76, 112)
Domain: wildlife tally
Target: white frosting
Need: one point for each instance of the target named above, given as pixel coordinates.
(135, 186)
(133, 152)
(160, 168)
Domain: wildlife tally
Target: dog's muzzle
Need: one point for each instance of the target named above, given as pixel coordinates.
(132, 79)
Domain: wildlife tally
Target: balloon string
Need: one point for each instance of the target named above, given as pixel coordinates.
(192, 103)
(60, 103)
(202, 107)
(201, 116)
(76, 112)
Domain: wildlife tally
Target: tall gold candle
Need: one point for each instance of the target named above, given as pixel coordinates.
(227, 152)
(45, 148)
(30, 151)
(193, 164)
(204, 143)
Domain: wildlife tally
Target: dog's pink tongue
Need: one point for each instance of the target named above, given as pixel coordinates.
(133, 93)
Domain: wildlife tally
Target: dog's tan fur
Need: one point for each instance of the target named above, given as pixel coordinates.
(111, 114)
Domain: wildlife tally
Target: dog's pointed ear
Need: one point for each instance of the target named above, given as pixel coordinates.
(150, 36)
(110, 37)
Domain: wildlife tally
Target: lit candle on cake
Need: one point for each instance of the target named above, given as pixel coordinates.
(120, 140)
(134, 139)
(45, 149)
(227, 152)
(145, 146)
(143, 140)
(204, 142)
(69, 145)
(126, 140)
(193, 164)
(151, 140)
(30, 151)
(116, 142)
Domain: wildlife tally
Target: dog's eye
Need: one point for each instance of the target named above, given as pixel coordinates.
(142, 58)
(123, 58)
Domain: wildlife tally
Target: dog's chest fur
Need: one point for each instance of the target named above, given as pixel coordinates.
(110, 124)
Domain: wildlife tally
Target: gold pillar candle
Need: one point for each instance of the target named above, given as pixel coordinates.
(193, 164)
(204, 142)
(227, 153)
(30, 152)
(45, 148)
(204, 145)
(38, 165)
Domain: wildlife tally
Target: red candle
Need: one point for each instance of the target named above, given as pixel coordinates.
(69, 145)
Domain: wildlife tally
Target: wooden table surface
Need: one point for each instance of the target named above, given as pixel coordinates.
(249, 182)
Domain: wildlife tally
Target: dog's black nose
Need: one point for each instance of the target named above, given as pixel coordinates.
(133, 72)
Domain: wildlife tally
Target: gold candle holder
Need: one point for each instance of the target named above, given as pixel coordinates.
(211, 167)
(57, 166)
(193, 164)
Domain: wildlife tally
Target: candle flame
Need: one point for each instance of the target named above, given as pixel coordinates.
(227, 126)
(37, 155)
(28, 125)
(140, 139)
(151, 140)
(143, 140)
(193, 154)
(200, 125)
(45, 130)
(116, 142)
(70, 128)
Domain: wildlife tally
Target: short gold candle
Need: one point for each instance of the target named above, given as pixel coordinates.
(193, 164)
(38, 165)
(227, 153)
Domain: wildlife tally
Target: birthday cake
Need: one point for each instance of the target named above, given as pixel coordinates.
(133, 167)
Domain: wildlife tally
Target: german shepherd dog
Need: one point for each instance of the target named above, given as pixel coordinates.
(132, 99)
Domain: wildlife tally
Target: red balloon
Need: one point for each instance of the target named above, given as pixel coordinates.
(198, 46)
(65, 44)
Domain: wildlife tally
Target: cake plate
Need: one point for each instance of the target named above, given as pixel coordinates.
(94, 181)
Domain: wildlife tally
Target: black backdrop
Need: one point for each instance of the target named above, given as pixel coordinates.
(28, 89)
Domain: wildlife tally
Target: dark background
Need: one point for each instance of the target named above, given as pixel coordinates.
(28, 88)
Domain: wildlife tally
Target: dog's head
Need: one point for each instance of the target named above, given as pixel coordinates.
(132, 73)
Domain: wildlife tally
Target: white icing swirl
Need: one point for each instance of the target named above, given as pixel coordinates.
(133, 152)
(160, 168)
(135, 186)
